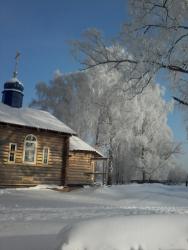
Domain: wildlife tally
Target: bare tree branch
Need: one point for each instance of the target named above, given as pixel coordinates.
(180, 101)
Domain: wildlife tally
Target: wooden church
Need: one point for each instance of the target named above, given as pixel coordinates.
(35, 145)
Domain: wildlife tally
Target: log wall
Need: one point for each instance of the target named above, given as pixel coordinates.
(80, 168)
(20, 173)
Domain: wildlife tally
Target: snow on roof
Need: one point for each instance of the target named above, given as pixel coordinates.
(34, 118)
(13, 80)
(76, 144)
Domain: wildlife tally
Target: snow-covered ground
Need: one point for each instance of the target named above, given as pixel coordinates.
(130, 217)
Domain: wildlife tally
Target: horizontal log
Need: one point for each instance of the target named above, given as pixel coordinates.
(78, 183)
(79, 171)
(29, 169)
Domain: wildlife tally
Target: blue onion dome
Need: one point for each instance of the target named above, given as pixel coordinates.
(14, 84)
(13, 89)
(13, 93)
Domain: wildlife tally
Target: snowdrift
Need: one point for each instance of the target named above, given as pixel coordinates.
(150, 232)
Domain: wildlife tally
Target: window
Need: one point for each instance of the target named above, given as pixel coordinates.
(45, 155)
(12, 152)
(30, 149)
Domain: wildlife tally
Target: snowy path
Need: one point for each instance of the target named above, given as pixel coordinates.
(37, 216)
(64, 214)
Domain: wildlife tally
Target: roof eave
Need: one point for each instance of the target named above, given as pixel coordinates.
(87, 151)
(38, 128)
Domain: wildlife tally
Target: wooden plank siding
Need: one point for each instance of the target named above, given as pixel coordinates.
(80, 168)
(20, 173)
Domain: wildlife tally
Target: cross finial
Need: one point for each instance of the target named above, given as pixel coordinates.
(15, 73)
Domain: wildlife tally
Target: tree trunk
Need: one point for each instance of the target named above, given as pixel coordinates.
(143, 176)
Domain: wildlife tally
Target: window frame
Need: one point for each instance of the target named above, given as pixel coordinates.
(43, 155)
(12, 151)
(24, 148)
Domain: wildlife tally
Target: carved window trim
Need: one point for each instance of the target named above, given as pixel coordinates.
(30, 149)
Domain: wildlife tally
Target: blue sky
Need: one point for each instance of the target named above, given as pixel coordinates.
(41, 29)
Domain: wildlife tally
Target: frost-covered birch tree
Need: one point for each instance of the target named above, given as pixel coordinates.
(153, 140)
(155, 39)
(67, 97)
(133, 132)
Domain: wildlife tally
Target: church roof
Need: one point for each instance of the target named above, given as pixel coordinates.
(77, 144)
(32, 118)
